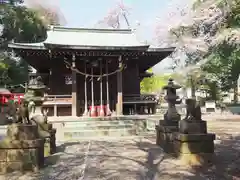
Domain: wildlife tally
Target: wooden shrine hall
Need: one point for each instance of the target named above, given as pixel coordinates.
(92, 72)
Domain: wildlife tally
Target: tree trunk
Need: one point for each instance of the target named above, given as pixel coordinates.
(235, 91)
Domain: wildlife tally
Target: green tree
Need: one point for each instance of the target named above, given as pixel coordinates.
(211, 39)
(153, 83)
(25, 25)
(224, 57)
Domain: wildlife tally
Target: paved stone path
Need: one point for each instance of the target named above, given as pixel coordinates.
(139, 158)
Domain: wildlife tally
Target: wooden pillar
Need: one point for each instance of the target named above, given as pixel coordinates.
(93, 112)
(108, 111)
(74, 87)
(101, 111)
(85, 91)
(119, 88)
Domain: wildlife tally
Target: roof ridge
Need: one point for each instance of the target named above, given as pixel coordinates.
(98, 30)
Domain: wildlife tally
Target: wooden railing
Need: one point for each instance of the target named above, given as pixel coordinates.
(59, 98)
(139, 97)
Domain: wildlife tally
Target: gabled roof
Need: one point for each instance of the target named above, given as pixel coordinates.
(84, 38)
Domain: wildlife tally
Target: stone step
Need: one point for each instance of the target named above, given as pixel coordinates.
(97, 123)
(3, 131)
(96, 127)
(99, 133)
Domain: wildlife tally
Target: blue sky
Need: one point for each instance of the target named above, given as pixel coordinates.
(149, 13)
(82, 13)
(87, 13)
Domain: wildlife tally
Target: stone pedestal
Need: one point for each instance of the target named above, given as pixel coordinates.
(193, 145)
(46, 132)
(165, 133)
(21, 150)
(192, 127)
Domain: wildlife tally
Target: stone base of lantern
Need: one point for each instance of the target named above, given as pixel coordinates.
(165, 136)
(194, 149)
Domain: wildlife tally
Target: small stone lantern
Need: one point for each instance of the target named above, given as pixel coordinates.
(171, 117)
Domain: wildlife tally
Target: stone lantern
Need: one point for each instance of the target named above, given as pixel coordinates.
(35, 93)
(169, 125)
(171, 117)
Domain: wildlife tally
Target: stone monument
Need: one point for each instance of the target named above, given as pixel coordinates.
(193, 144)
(166, 128)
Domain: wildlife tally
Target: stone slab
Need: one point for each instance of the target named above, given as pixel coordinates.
(14, 144)
(8, 167)
(22, 155)
(22, 131)
(166, 129)
(192, 127)
(168, 123)
(194, 137)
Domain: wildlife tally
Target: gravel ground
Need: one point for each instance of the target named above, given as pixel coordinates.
(140, 159)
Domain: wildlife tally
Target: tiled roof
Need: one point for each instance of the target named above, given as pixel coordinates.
(83, 38)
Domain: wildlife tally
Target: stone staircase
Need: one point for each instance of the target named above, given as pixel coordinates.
(92, 128)
(70, 128)
(99, 127)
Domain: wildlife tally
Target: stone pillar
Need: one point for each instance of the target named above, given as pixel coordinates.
(74, 87)
(85, 93)
(108, 111)
(119, 108)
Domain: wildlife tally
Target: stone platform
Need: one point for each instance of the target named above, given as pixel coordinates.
(21, 149)
(194, 149)
(165, 135)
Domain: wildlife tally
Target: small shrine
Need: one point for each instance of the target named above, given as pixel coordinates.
(92, 72)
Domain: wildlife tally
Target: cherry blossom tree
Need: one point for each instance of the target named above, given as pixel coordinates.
(50, 13)
(201, 34)
(115, 16)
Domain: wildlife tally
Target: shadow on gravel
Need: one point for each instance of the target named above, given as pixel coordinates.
(225, 165)
(109, 161)
(137, 160)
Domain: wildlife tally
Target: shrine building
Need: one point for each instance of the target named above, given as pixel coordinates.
(92, 71)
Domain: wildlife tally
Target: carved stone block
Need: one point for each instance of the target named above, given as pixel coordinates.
(165, 137)
(192, 127)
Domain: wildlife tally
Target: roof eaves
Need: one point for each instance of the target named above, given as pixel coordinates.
(142, 47)
(157, 49)
(35, 46)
